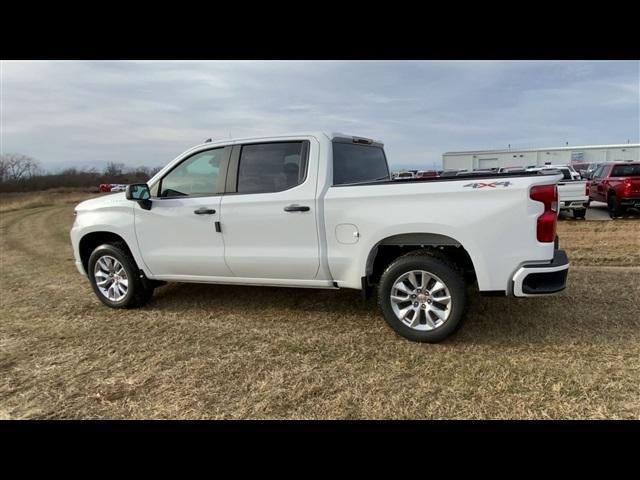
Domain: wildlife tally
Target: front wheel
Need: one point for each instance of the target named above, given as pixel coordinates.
(115, 278)
(422, 297)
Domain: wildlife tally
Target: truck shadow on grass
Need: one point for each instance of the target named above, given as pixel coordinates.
(583, 313)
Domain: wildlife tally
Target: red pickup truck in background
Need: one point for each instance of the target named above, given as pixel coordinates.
(112, 187)
(618, 185)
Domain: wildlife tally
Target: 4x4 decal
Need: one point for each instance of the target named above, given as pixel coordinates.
(490, 184)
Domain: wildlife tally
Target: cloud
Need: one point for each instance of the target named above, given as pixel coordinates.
(145, 113)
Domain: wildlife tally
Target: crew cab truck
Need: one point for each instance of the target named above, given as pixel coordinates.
(618, 185)
(320, 210)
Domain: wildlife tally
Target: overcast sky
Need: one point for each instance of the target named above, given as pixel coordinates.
(146, 113)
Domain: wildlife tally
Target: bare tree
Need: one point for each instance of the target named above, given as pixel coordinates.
(15, 166)
(114, 169)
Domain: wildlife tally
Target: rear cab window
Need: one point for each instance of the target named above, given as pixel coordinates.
(626, 171)
(355, 163)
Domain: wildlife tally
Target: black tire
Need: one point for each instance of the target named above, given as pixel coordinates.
(434, 263)
(579, 212)
(614, 206)
(139, 291)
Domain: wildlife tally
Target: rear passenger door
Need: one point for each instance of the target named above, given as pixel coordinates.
(269, 216)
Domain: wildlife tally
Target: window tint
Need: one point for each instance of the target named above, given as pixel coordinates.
(354, 163)
(196, 176)
(272, 167)
(626, 171)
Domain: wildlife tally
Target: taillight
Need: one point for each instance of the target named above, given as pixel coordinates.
(586, 189)
(627, 187)
(548, 195)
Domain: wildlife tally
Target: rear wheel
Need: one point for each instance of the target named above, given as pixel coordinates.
(422, 297)
(614, 206)
(579, 212)
(115, 278)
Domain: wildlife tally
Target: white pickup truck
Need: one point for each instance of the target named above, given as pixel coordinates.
(320, 210)
(573, 192)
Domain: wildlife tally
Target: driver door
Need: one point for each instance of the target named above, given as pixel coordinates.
(177, 237)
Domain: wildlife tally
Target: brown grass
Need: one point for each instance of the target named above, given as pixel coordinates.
(10, 202)
(602, 242)
(284, 353)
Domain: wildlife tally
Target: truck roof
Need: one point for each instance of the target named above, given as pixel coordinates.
(317, 133)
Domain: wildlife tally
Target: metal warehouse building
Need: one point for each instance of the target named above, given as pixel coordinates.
(485, 159)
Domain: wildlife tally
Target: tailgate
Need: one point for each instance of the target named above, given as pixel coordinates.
(572, 190)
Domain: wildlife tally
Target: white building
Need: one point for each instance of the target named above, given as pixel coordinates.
(485, 159)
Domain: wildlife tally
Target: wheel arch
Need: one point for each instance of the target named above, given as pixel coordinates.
(388, 249)
(90, 241)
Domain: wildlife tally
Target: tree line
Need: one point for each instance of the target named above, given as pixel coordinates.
(21, 173)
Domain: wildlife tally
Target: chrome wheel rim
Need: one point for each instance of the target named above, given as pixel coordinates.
(111, 278)
(421, 300)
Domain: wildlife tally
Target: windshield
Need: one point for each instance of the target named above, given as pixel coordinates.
(354, 163)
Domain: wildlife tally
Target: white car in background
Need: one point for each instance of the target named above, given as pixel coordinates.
(574, 174)
(403, 175)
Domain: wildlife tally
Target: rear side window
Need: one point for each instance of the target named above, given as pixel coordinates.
(272, 167)
(626, 171)
(354, 163)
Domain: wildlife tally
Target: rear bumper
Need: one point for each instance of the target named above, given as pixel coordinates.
(542, 279)
(571, 204)
(630, 202)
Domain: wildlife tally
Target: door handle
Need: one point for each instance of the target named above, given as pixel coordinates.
(204, 211)
(296, 208)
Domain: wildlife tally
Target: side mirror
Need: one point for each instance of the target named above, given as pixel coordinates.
(139, 192)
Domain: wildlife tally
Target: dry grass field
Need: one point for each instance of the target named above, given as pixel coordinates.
(196, 352)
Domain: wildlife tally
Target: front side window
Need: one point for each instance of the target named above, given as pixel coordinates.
(272, 167)
(353, 163)
(196, 176)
